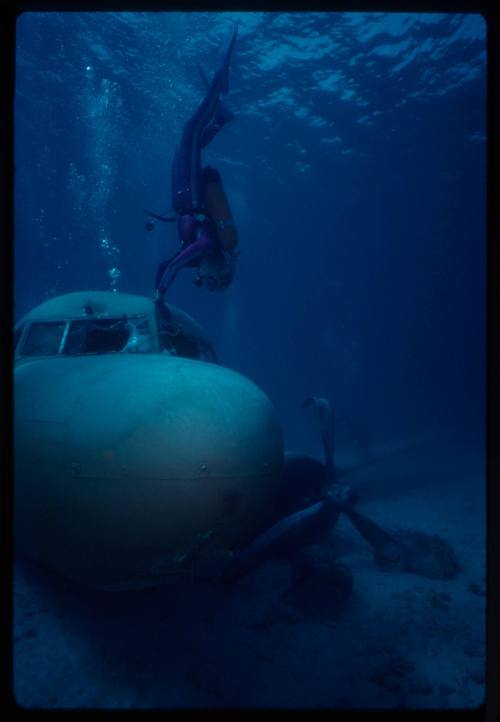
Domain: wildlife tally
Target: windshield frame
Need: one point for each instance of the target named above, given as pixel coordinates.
(134, 320)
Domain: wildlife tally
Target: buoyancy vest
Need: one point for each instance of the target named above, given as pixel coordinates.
(217, 207)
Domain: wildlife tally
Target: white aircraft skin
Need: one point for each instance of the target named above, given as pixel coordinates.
(130, 467)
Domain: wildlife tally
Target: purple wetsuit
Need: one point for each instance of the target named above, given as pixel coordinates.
(197, 232)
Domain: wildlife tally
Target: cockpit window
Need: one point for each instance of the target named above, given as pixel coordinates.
(109, 335)
(139, 339)
(89, 336)
(185, 341)
(99, 336)
(121, 334)
(43, 339)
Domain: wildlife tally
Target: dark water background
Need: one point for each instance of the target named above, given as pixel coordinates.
(356, 171)
(355, 168)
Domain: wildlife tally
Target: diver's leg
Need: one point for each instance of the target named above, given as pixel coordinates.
(186, 167)
(160, 271)
(184, 257)
(187, 226)
(222, 115)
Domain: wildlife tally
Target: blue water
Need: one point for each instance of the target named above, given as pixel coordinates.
(356, 172)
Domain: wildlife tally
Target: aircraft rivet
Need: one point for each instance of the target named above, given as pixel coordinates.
(266, 465)
(204, 467)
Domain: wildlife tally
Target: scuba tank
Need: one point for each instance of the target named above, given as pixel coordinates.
(217, 207)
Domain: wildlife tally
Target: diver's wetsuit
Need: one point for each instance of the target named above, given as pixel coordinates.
(197, 231)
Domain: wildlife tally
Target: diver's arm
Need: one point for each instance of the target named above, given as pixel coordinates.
(160, 217)
(150, 225)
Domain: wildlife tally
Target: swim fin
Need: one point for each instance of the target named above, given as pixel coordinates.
(225, 59)
(222, 114)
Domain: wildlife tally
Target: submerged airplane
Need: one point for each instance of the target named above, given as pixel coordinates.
(136, 454)
(139, 459)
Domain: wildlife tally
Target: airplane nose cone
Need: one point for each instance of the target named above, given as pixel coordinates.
(129, 469)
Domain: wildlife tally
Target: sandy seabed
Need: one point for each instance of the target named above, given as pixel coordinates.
(401, 640)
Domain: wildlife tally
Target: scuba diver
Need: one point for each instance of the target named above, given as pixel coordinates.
(205, 226)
